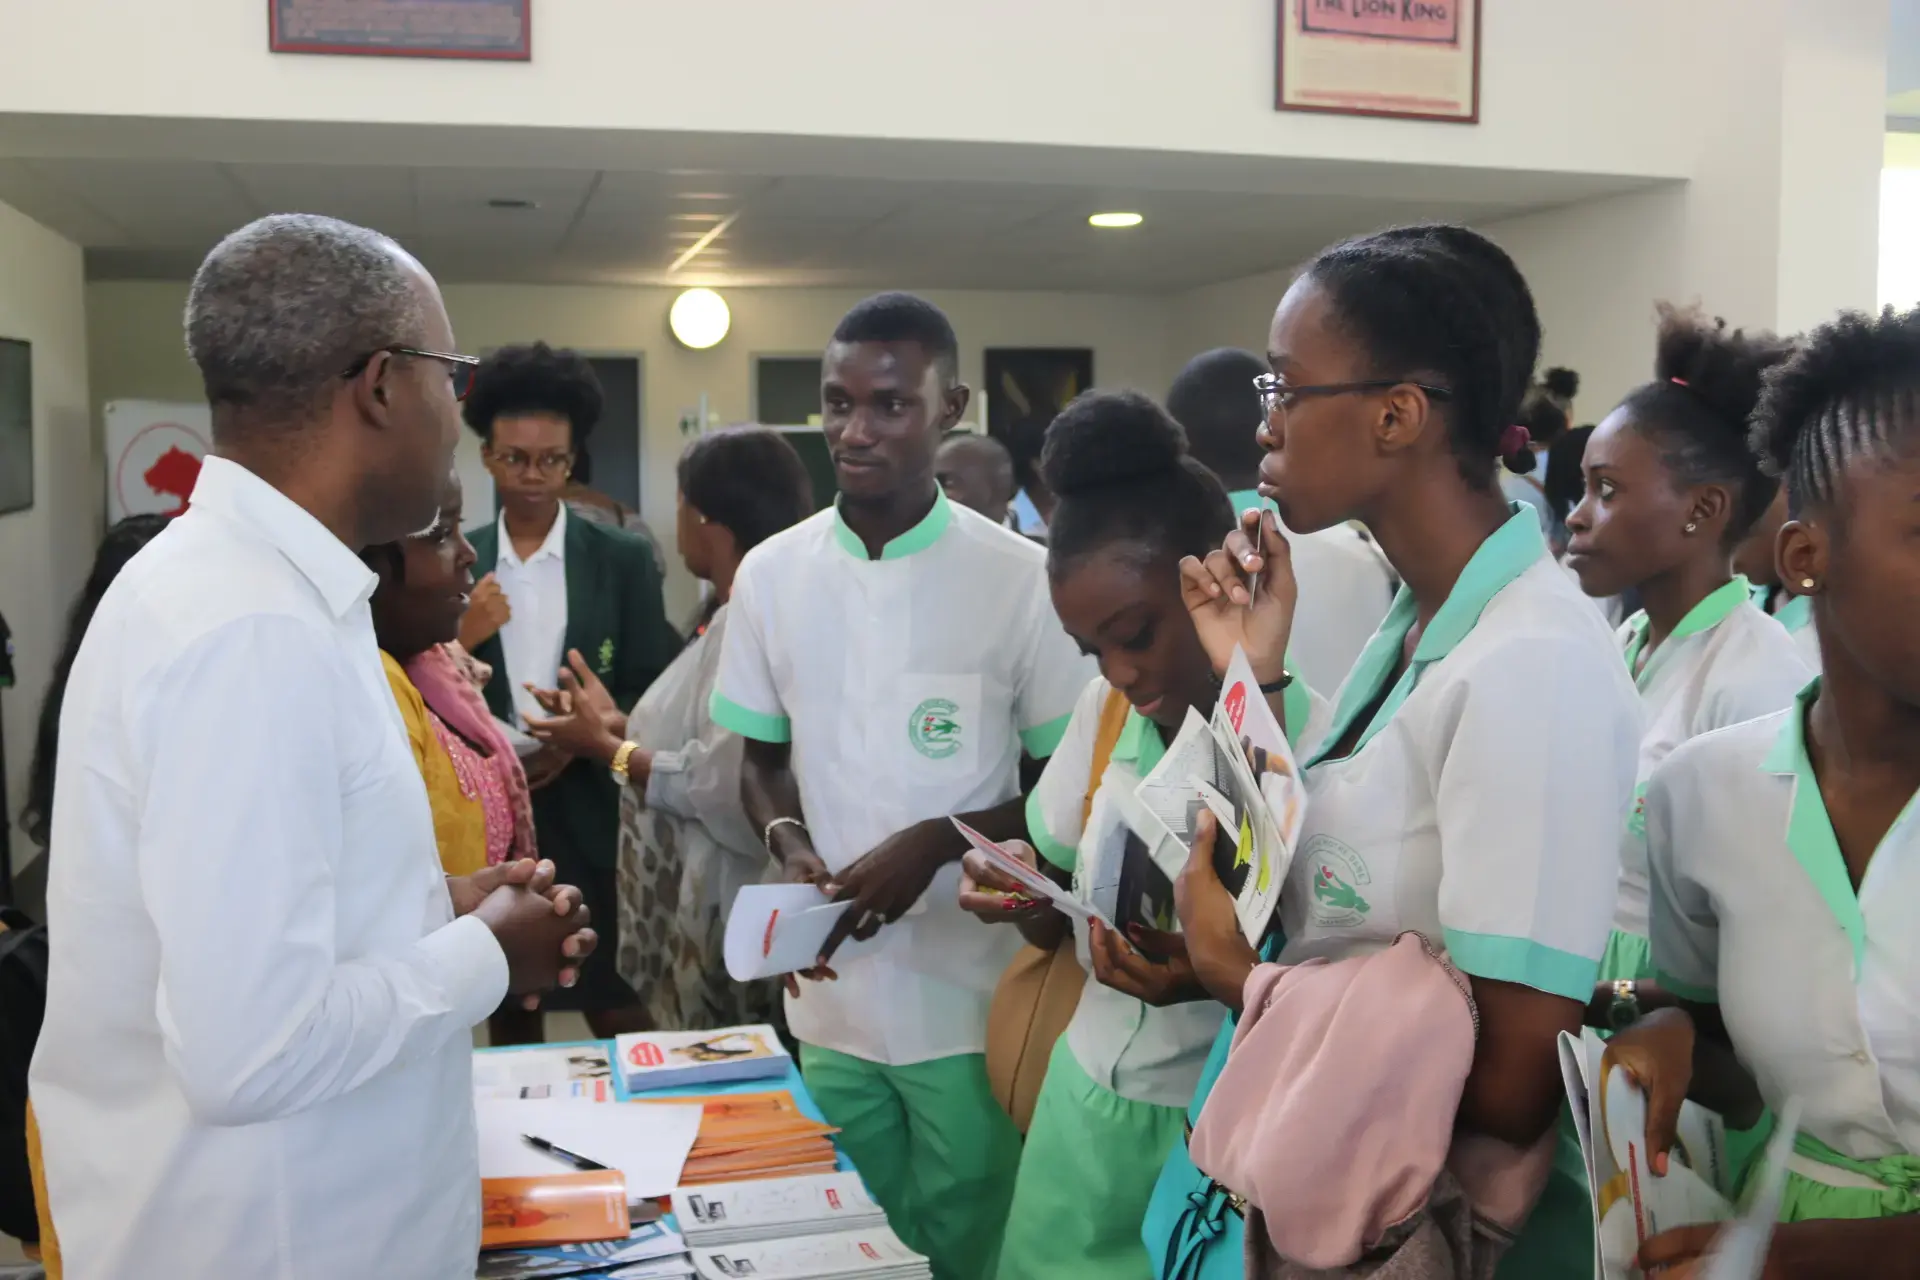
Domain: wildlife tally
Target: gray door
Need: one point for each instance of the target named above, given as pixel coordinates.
(614, 446)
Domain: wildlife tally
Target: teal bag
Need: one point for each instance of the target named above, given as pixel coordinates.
(1194, 1225)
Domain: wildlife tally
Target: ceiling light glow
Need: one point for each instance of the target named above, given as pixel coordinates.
(1115, 220)
(699, 318)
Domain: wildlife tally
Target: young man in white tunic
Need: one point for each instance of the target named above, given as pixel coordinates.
(888, 661)
(256, 1059)
(1672, 488)
(1785, 851)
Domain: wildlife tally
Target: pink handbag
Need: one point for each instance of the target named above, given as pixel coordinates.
(1334, 1118)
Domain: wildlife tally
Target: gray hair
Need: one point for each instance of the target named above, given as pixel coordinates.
(284, 305)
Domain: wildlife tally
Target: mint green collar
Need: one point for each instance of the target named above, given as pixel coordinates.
(1796, 614)
(1140, 743)
(1705, 616)
(1247, 500)
(1506, 554)
(1809, 829)
(916, 539)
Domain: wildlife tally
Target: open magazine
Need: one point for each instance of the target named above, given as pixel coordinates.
(1630, 1204)
(1237, 764)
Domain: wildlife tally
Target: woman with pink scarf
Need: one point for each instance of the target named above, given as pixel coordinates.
(482, 814)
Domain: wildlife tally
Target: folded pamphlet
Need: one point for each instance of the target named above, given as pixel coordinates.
(1034, 882)
(582, 1071)
(1630, 1204)
(1238, 765)
(742, 1212)
(874, 1254)
(776, 929)
(677, 1059)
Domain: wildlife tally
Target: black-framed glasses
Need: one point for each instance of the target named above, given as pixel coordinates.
(459, 368)
(523, 462)
(1276, 395)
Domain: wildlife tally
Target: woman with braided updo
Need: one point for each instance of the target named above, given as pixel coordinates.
(1445, 798)
(1784, 853)
(1672, 488)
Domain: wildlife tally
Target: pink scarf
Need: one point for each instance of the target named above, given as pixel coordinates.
(450, 680)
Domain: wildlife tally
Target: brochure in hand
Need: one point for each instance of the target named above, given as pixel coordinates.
(1630, 1204)
(1238, 765)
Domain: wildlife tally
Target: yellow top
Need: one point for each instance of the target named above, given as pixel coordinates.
(459, 820)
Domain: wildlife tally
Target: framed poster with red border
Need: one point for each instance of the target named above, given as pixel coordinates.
(1408, 59)
(485, 30)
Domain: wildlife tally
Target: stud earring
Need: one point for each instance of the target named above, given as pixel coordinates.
(1806, 584)
(1691, 526)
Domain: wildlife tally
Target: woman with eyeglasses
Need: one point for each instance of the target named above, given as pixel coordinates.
(1481, 755)
(550, 584)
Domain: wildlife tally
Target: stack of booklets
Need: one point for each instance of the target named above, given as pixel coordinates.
(749, 1212)
(872, 1254)
(683, 1059)
(745, 1136)
(654, 1251)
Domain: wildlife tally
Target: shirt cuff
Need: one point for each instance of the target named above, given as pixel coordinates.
(757, 725)
(471, 966)
(1043, 740)
(663, 764)
(1523, 961)
(1060, 855)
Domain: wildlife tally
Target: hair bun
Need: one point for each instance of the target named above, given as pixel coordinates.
(1563, 384)
(1108, 438)
(1721, 368)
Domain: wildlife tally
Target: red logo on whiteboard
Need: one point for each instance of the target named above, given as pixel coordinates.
(646, 1053)
(1236, 700)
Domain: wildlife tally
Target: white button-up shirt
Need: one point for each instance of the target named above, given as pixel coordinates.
(1753, 908)
(907, 686)
(255, 1061)
(534, 639)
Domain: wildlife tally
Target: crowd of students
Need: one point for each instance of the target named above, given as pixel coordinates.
(1688, 830)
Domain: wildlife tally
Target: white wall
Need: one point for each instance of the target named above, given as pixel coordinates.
(44, 551)
(1562, 81)
(134, 331)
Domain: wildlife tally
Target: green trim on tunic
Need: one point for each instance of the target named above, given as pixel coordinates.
(1089, 1168)
(1628, 957)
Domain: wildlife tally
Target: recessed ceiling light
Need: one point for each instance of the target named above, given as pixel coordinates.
(699, 318)
(1114, 220)
(512, 202)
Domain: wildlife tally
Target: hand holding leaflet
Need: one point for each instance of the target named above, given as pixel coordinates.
(778, 929)
(1034, 882)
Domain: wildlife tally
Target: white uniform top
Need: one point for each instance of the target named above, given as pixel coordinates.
(1482, 803)
(1346, 586)
(1726, 662)
(1753, 908)
(907, 686)
(1142, 1053)
(1796, 615)
(534, 639)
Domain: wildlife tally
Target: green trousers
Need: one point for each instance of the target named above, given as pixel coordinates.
(934, 1147)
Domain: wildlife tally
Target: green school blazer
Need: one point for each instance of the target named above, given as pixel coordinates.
(616, 619)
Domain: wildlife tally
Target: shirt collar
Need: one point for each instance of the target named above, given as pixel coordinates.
(1705, 616)
(1810, 835)
(1139, 743)
(914, 540)
(554, 546)
(340, 576)
(1507, 553)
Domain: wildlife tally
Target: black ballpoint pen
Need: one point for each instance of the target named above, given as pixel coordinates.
(573, 1158)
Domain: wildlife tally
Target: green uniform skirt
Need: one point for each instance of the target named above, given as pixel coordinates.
(1088, 1170)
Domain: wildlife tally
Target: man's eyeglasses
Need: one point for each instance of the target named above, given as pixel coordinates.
(460, 368)
(515, 460)
(1277, 397)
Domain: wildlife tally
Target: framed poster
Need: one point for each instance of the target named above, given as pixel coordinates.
(1411, 59)
(487, 30)
(16, 425)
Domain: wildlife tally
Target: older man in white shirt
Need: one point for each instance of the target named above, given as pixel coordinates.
(255, 1061)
